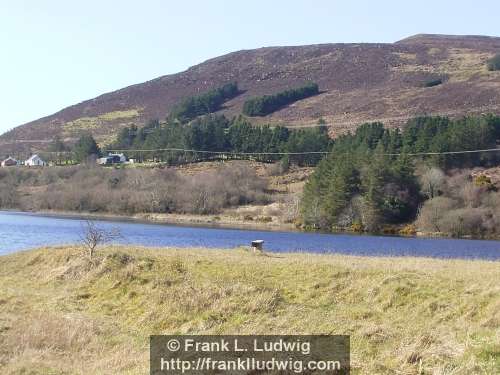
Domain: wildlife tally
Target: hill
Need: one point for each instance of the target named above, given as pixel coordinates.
(61, 313)
(358, 83)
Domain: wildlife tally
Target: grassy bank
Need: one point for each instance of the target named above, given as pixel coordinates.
(63, 314)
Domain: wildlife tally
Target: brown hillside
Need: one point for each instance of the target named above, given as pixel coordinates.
(359, 82)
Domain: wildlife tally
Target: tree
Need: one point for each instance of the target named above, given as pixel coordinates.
(57, 145)
(85, 148)
(203, 104)
(93, 236)
(432, 182)
(58, 148)
(494, 63)
(264, 105)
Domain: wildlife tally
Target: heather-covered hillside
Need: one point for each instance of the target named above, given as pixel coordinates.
(424, 74)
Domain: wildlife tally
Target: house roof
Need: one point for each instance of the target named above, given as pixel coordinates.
(33, 157)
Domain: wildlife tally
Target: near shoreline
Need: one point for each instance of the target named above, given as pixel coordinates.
(62, 312)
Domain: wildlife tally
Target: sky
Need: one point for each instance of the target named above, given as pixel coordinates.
(58, 53)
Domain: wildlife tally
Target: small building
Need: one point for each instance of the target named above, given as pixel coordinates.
(9, 162)
(35, 161)
(112, 159)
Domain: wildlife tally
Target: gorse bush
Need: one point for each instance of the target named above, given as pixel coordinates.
(264, 105)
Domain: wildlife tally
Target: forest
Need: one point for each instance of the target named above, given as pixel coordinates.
(377, 177)
(203, 104)
(221, 137)
(267, 104)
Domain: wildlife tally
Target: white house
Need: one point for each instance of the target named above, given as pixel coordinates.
(35, 161)
(112, 159)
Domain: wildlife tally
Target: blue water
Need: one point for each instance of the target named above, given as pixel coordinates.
(19, 231)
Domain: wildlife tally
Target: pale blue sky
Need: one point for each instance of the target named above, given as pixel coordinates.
(60, 52)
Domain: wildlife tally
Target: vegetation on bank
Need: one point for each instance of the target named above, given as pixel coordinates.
(62, 313)
(267, 104)
(459, 205)
(130, 191)
(370, 179)
(373, 180)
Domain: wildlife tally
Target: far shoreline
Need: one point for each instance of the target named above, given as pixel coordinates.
(211, 221)
(208, 221)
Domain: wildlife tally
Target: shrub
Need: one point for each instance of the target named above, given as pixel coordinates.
(431, 213)
(483, 181)
(467, 207)
(464, 222)
(408, 230)
(433, 82)
(494, 63)
(264, 219)
(357, 227)
(130, 191)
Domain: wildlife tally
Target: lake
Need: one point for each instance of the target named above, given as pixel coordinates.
(21, 231)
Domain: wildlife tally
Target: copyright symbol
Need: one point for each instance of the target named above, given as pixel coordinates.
(173, 345)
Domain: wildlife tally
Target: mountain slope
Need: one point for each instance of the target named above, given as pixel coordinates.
(359, 82)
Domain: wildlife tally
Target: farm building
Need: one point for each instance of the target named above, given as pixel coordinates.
(35, 161)
(112, 159)
(9, 162)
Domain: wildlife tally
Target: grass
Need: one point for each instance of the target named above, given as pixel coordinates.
(63, 314)
(92, 123)
(460, 64)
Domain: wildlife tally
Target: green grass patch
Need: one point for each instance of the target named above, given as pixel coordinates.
(91, 123)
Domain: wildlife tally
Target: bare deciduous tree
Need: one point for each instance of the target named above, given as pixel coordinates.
(93, 236)
(432, 181)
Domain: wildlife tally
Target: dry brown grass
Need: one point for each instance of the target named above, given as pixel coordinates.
(62, 314)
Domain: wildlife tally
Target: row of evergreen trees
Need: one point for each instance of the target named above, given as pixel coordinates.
(222, 136)
(368, 179)
(203, 104)
(264, 105)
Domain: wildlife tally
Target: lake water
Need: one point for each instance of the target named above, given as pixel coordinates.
(20, 231)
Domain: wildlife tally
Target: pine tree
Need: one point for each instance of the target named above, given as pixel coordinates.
(85, 148)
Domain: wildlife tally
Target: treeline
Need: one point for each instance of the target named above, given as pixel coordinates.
(363, 185)
(222, 137)
(203, 104)
(264, 105)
